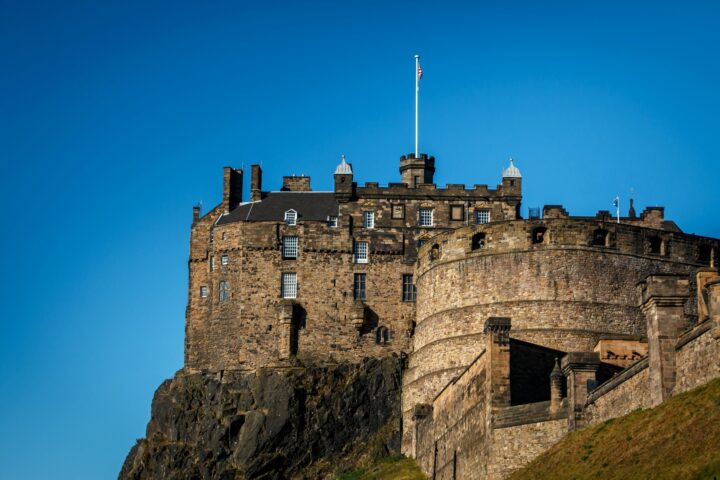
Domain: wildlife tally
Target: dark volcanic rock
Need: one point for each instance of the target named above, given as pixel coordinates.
(266, 425)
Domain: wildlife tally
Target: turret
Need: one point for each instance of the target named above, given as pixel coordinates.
(343, 181)
(416, 170)
(512, 180)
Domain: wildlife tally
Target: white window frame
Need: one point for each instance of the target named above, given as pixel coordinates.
(291, 217)
(288, 285)
(212, 263)
(332, 221)
(482, 214)
(204, 291)
(224, 260)
(369, 220)
(423, 219)
(361, 252)
(290, 247)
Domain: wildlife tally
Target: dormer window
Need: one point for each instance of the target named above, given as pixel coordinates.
(291, 218)
(332, 221)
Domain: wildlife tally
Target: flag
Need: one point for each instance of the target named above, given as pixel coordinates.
(419, 71)
(616, 202)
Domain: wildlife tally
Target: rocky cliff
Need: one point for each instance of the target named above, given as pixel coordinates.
(272, 424)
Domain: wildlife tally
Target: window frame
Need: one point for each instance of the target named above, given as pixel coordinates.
(368, 219)
(420, 217)
(397, 211)
(483, 212)
(361, 252)
(290, 251)
(409, 290)
(359, 286)
(290, 218)
(289, 289)
(224, 290)
(332, 221)
(204, 291)
(224, 260)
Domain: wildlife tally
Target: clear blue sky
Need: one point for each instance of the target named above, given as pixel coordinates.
(117, 117)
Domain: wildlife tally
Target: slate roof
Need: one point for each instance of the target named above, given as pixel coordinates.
(310, 206)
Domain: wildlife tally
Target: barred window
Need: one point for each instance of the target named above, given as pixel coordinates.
(332, 221)
(409, 292)
(368, 220)
(482, 215)
(361, 252)
(291, 217)
(426, 217)
(203, 291)
(290, 247)
(359, 286)
(289, 286)
(224, 290)
(224, 260)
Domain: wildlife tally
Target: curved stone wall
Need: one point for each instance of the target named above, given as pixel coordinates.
(564, 293)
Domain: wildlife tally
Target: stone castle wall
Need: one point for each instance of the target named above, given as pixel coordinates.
(564, 293)
(698, 358)
(621, 395)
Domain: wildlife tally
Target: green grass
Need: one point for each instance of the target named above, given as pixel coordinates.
(396, 467)
(679, 439)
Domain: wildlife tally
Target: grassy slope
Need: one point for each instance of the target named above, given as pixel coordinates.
(680, 439)
(391, 468)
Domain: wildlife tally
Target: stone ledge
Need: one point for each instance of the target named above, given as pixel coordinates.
(697, 331)
(528, 413)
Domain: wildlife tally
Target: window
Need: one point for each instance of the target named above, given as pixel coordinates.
(224, 260)
(203, 291)
(212, 263)
(368, 220)
(359, 286)
(416, 180)
(291, 218)
(421, 242)
(398, 211)
(600, 238)
(361, 252)
(705, 254)
(656, 245)
(435, 252)
(224, 290)
(478, 241)
(289, 287)
(538, 235)
(482, 215)
(426, 217)
(332, 221)
(457, 212)
(409, 292)
(382, 335)
(289, 247)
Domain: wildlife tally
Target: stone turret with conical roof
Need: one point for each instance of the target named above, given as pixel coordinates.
(512, 179)
(343, 181)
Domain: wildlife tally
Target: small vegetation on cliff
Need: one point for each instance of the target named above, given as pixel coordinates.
(679, 439)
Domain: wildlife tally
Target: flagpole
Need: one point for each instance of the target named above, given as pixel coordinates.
(417, 89)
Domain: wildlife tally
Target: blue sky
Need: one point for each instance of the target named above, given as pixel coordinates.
(117, 117)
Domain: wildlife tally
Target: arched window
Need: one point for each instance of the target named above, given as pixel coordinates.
(478, 241)
(600, 238)
(538, 235)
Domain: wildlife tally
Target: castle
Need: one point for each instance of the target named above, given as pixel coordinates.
(513, 331)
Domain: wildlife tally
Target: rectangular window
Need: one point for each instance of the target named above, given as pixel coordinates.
(291, 217)
(359, 286)
(224, 290)
(426, 217)
(289, 287)
(368, 220)
(398, 211)
(332, 221)
(361, 252)
(409, 292)
(212, 263)
(416, 180)
(224, 260)
(482, 215)
(457, 212)
(203, 291)
(290, 247)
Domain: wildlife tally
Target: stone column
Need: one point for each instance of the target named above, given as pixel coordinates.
(662, 300)
(498, 331)
(285, 319)
(713, 290)
(580, 369)
(556, 379)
